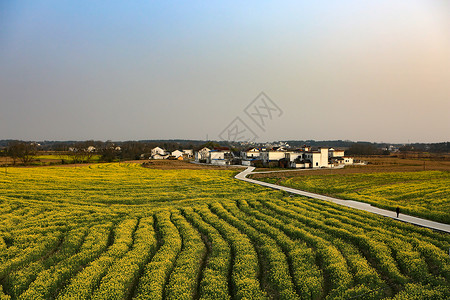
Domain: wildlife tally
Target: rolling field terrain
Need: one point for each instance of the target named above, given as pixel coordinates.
(121, 231)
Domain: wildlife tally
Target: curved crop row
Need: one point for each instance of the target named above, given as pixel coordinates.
(371, 222)
(365, 278)
(184, 278)
(409, 260)
(123, 274)
(214, 281)
(330, 258)
(377, 250)
(307, 276)
(15, 258)
(245, 267)
(413, 254)
(274, 261)
(151, 284)
(18, 281)
(84, 282)
(49, 281)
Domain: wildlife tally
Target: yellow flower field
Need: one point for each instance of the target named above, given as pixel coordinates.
(424, 194)
(121, 231)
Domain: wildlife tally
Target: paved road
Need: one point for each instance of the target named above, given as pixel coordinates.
(348, 203)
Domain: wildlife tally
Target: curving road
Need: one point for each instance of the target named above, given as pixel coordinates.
(349, 203)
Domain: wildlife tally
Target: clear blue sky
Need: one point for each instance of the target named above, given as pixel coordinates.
(122, 70)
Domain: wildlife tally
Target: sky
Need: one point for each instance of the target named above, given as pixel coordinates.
(129, 70)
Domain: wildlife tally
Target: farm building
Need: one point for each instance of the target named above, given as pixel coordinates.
(188, 153)
(177, 154)
(202, 154)
(220, 157)
(158, 150)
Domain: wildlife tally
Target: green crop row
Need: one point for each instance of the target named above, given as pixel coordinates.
(376, 250)
(122, 275)
(16, 258)
(18, 281)
(82, 285)
(270, 254)
(152, 282)
(409, 259)
(214, 281)
(184, 278)
(50, 281)
(330, 258)
(307, 276)
(245, 269)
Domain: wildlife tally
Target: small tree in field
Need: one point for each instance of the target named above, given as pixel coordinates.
(25, 152)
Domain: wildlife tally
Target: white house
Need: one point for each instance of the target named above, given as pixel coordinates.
(348, 160)
(159, 156)
(251, 153)
(219, 157)
(158, 150)
(317, 159)
(335, 153)
(189, 153)
(295, 159)
(177, 153)
(202, 154)
(271, 155)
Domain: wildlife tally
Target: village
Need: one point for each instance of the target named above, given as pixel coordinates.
(274, 157)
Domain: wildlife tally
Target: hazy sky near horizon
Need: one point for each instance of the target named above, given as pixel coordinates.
(124, 70)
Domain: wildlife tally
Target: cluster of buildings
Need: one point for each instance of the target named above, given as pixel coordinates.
(160, 153)
(304, 158)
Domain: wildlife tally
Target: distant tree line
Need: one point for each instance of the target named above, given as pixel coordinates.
(109, 151)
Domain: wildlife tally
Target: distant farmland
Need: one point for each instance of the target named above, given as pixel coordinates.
(121, 231)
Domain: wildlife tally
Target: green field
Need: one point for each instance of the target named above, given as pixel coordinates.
(120, 231)
(424, 194)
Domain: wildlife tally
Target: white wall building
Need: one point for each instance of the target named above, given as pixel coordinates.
(251, 153)
(335, 153)
(189, 153)
(159, 156)
(348, 160)
(202, 154)
(158, 150)
(267, 156)
(219, 157)
(177, 153)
